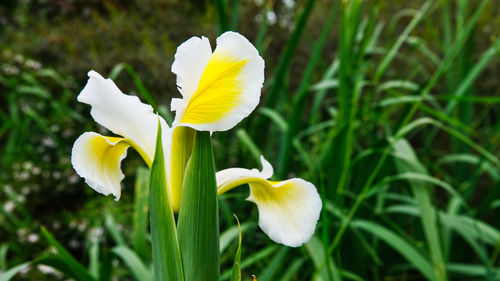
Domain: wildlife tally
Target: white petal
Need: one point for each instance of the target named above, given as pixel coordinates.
(190, 61)
(230, 178)
(124, 115)
(267, 168)
(229, 88)
(98, 159)
(288, 210)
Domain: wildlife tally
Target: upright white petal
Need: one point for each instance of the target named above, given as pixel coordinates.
(288, 210)
(190, 61)
(122, 114)
(98, 159)
(228, 89)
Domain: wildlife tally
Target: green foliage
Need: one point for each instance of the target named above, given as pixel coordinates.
(389, 108)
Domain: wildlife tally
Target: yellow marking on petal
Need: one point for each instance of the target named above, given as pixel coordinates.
(109, 154)
(235, 183)
(264, 192)
(182, 146)
(141, 152)
(281, 200)
(218, 92)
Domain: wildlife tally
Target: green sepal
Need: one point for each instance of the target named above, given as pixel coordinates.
(166, 256)
(198, 223)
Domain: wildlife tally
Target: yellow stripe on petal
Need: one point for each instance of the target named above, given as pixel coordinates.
(220, 89)
(218, 92)
(98, 159)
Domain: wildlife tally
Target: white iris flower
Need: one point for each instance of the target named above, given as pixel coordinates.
(218, 89)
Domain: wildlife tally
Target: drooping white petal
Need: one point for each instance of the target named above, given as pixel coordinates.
(288, 210)
(267, 168)
(122, 114)
(228, 89)
(97, 159)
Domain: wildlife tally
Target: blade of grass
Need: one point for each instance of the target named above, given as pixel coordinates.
(77, 270)
(141, 209)
(274, 265)
(232, 233)
(133, 262)
(278, 79)
(316, 251)
(9, 274)
(247, 142)
(94, 250)
(253, 259)
(235, 15)
(221, 7)
(4, 249)
(113, 229)
(408, 251)
(236, 273)
(292, 270)
(259, 41)
(401, 39)
(407, 162)
(299, 101)
(335, 159)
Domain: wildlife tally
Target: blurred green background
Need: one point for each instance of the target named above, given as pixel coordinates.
(391, 108)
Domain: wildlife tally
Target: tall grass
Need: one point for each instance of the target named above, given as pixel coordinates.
(393, 125)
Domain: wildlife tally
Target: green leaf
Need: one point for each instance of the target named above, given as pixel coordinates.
(166, 256)
(7, 275)
(133, 262)
(198, 223)
(113, 229)
(94, 251)
(253, 259)
(232, 233)
(141, 209)
(401, 39)
(299, 101)
(78, 271)
(3, 256)
(325, 272)
(407, 162)
(248, 142)
(278, 80)
(274, 265)
(221, 7)
(399, 244)
(236, 275)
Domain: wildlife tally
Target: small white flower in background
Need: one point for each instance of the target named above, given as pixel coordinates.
(25, 270)
(219, 89)
(33, 64)
(48, 270)
(21, 233)
(9, 206)
(73, 243)
(32, 238)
